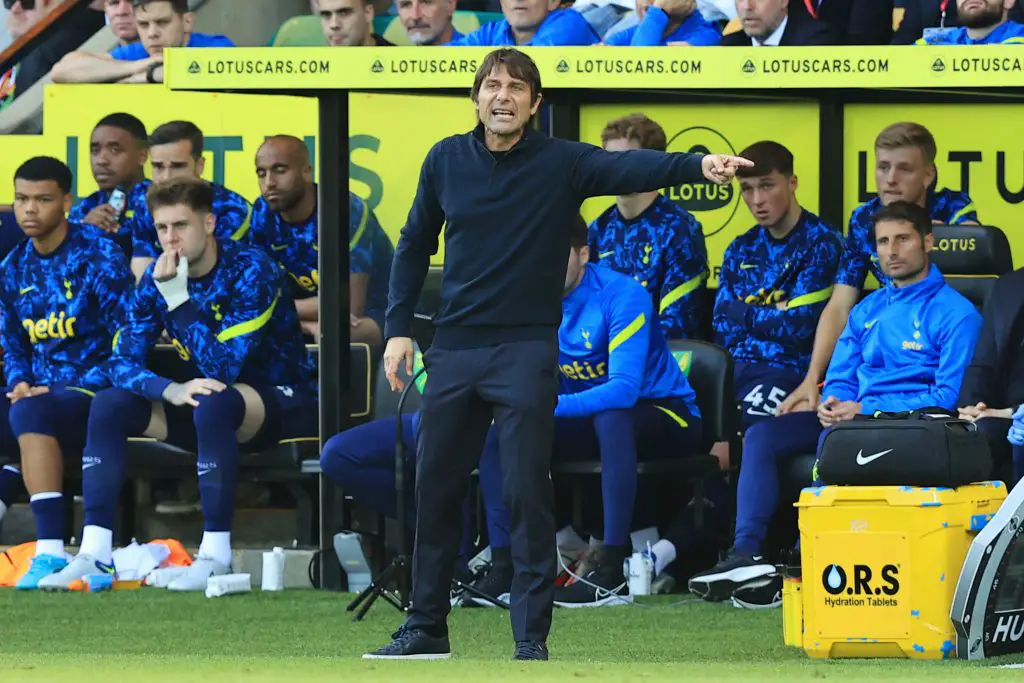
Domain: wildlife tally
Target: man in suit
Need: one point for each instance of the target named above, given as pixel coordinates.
(993, 386)
(767, 23)
(852, 22)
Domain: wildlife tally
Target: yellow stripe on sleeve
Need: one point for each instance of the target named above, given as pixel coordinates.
(681, 291)
(812, 298)
(631, 329)
(243, 228)
(361, 229)
(249, 326)
(964, 211)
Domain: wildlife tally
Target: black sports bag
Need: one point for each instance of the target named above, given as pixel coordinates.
(926, 447)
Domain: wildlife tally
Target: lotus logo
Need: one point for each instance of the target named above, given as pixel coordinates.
(713, 205)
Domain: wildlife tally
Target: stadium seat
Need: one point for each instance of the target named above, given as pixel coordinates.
(972, 257)
(710, 371)
(150, 459)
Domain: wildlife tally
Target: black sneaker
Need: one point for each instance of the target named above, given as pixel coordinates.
(495, 582)
(722, 580)
(413, 643)
(604, 585)
(530, 651)
(763, 593)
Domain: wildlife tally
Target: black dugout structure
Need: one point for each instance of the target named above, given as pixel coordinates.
(987, 78)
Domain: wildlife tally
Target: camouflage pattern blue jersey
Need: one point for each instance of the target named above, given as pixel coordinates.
(238, 326)
(60, 311)
(230, 209)
(370, 252)
(860, 257)
(663, 249)
(611, 352)
(759, 272)
(295, 247)
(136, 203)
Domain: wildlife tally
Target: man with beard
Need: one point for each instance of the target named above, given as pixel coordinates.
(982, 22)
(428, 22)
(284, 223)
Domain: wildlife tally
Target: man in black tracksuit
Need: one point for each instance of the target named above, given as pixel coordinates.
(508, 196)
(993, 385)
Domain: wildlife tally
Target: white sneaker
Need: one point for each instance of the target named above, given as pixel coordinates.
(198, 573)
(83, 565)
(161, 578)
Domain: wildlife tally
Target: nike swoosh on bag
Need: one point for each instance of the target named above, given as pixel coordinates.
(864, 460)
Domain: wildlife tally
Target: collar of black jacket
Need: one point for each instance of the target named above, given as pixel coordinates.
(530, 136)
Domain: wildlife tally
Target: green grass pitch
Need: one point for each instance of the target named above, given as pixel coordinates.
(151, 635)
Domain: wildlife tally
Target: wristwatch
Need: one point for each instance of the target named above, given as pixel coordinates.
(150, 71)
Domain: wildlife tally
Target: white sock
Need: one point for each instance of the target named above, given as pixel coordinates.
(99, 543)
(664, 555)
(3, 510)
(642, 537)
(50, 546)
(217, 546)
(568, 538)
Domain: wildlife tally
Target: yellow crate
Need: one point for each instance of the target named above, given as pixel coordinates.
(879, 566)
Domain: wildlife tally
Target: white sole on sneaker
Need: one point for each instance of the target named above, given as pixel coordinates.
(480, 602)
(447, 655)
(721, 586)
(740, 604)
(607, 601)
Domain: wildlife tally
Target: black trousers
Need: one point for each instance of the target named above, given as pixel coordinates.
(516, 385)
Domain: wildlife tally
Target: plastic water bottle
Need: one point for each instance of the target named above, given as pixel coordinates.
(639, 571)
(273, 570)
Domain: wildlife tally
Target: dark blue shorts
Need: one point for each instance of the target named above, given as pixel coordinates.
(761, 389)
(60, 413)
(289, 414)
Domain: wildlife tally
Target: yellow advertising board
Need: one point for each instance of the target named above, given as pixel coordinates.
(980, 152)
(722, 129)
(732, 68)
(387, 146)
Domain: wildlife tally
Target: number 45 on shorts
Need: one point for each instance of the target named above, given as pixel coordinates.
(761, 407)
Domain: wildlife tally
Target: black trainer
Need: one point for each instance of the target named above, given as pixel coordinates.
(763, 593)
(495, 582)
(530, 651)
(413, 643)
(735, 570)
(605, 584)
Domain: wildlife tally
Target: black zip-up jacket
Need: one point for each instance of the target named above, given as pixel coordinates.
(507, 218)
(995, 376)
(996, 373)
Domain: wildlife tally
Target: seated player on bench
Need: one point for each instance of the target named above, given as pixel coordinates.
(775, 281)
(904, 347)
(361, 460)
(993, 387)
(63, 293)
(622, 398)
(284, 223)
(224, 305)
(650, 238)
